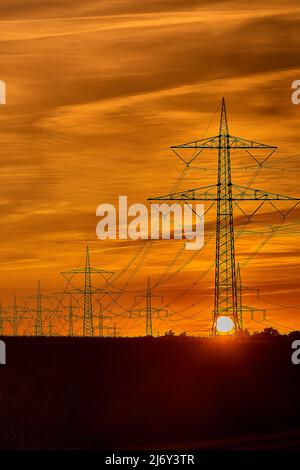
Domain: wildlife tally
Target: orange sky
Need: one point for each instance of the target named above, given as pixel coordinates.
(97, 91)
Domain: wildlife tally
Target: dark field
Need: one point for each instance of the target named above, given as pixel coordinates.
(75, 393)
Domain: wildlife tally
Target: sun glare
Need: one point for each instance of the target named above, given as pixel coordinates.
(224, 325)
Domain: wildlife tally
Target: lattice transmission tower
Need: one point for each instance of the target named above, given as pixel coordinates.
(226, 194)
(148, 311)
(242, 308)
(101, 318)
(1, 321)
(15, 315)
(89, 291)
(39, 310)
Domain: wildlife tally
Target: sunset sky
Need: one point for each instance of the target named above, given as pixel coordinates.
(97, 92)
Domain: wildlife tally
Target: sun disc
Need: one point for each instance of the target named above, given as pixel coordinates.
(224, 324)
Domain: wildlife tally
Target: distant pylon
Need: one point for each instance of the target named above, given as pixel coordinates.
(239, 296)
(39, 314)
(70, 317)
(244, 308)
(15, 317)
(1, 321)
(101, 317)
(50, 328)
(149, 310)
(114, 330)
(88, 291)
(100, 326)
(88, 327)
(38, 310)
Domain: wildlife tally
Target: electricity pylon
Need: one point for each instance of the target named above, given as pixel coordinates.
(225, 193)
(101, 317)
(114, 333)
(88, 328)
(39, 314)
(14, 316)
(50, 328)
(1, 321)
(115, 330)
(88, 291)
(70, 317)
(245, 308)
(148, 310)
(38, 310)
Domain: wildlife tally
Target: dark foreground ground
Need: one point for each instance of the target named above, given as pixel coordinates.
(58, 393)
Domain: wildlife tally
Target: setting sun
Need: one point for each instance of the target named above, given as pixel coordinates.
(224, 325)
